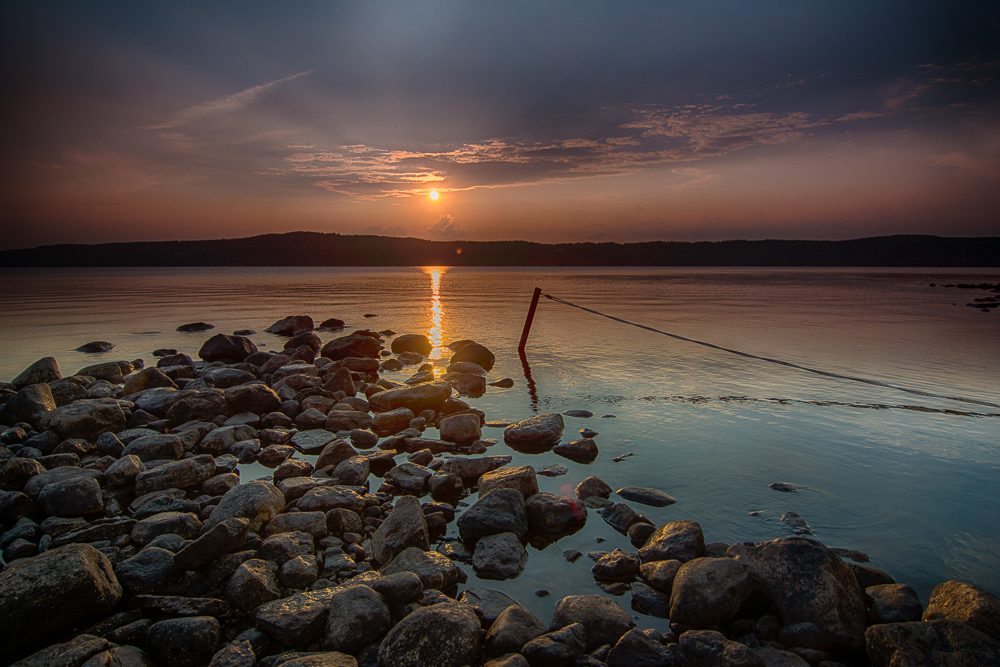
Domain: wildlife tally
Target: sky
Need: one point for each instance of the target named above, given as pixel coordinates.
(543, 121)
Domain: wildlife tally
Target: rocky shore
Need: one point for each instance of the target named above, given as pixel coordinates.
(129, 539)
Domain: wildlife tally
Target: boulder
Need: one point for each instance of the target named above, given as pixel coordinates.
(358, 617)
(257, 501)
(660, 574)
(584, 450)
(73, 497)
(252, 397)
(512, 629)
(557, 649)
(123, 471)
(805, 581)
(549, 513)
(418, 343)
(708, 591)
(307, 338)
(932, 643)
(538, 431)
(470, 470)
(110, 370)
(183, 642)
(499, 511)
(29, 405)
(646, 496)
(650, 600)
(42, 371)
(499, 556)
(147, 378)
(635, 649)
(86, 418)
(283, 547)
(604, 619)
(354, 345)
(409, 478)
(162, 446)
(297, 620)
(184, 524)
(404, 527)
(223, 347)
(616, 566)
(429, 396)
(48, 595)
(392, 422)
(521, 478)
(477, 354)
(435, 571)
(313, 523)
(221, 539)
(77, 651)
(254, 583)
(183, 474)
(199, 406)
(677, 540)
(460, 428)
(149, 571)
(894, 603)
(442, 635)
(969, 604)
(291, 325)
(340, 380)
(707, 648)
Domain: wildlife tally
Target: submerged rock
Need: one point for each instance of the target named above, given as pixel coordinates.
(540, 430)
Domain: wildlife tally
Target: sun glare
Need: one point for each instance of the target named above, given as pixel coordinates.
(434, 195)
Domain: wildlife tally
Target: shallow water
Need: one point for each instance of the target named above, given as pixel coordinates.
(910, 479)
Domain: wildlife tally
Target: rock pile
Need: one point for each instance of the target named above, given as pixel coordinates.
(129, 539)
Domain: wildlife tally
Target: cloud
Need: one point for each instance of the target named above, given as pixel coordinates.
(699, 178)
(859, 115)
(227, 104)
(445, 228)
(379, 230)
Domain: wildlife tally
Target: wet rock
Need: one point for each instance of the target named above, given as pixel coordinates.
(635, 649)
(195, 326)
(512, 629)
(291, 325)
(550, 513)
(444, 484)
(52, 593)
(428, 396)
(313, 523)
(358, 617)
(220, 440)
(198, 406)
(392, 422)
(593, 486)
(399, 588)
(472, 469)
(297, 620)
(42, 371)
(183, 474)
(621, 517)
(806, 582)
(253, 584)
(418, 343)
(604, 619)
(966, 603)
(252, 397)
(223, 347)
(869, 576)
(616, 566)
(499, 511)
(554, 470)
(86, 418)
(155, 448)
(404, 527)
(354, 345)
(179, 523)
(521, 478)
(540, 430)
(640, 532)
(409, 477)
(149, 571)
(677, 540)
(73, 497)
(257, 501)
(299, 572)
(504, 383)
(499, 556)
(708, 591)
(435, 570)
(112, 371)
(584, 450)
(332, 450)
(28, 405)
(460, 428)
(559, 648)
(183, 642)
(283, 547)
(77, 651)
(123, 471)
(475, 353)
(711, 649)
(221, 539)
(937, 642)
(442, 635)
(660, 574)
(342, 420)
(651, 601)
(646, 496)
(893, 603)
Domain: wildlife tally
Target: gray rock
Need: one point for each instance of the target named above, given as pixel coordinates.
(540, 430)
(549, 513)
(326, 498)
(434, 570)
(404, 527)
(149, 571)
(409, 477)
(646, 496)
(29, 405)
(223, 347)
(299, 572)
(86, 418)
(316, 440)
(52, 593)
(183, 642)
(650, 600)
(220, 539)
(616, 566)
(155, 448)
(604, 619)
(708, 591)
(619, 516)
(257, 501)
(937, 642)
(283, 547)
(123, 471)
(77, 651)
(297, 620)
(313, 523)
(42, 371)
(499, 511)
(805, 581)
(358, 617)
(460, 428)
(522, 478)
(711, 649)
(343, 420)
(442, 635)
(472, 469)
(489, 603)
(183, 474)
(253, 584)
(218, 441)
(253, 397)
(512, 629)
(660, 574)
(429, 396)
(499, 556)
(635, 649)
(893, 603)
(184, 524)
(399, 588)
(203, 405)
(584, 450)
(677, 540)
(966, 603)
(557, 649)
(392, 421)
(73, 497)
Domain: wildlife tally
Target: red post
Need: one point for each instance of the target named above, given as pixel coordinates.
(528, 320)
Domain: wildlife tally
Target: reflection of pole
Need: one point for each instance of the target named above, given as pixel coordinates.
(528, 320)
(532, 389)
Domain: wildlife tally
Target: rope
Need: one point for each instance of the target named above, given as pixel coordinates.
(747, 355)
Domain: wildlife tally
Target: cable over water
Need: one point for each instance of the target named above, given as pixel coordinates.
(789, 364)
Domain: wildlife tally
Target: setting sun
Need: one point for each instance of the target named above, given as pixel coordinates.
(434, 195)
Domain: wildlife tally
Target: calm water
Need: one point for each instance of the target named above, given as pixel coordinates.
(911, 480)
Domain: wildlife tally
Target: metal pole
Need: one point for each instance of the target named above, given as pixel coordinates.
(528, 320)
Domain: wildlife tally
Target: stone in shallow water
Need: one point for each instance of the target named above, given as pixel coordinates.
(646, 496)
(544, 429)
(499, 556)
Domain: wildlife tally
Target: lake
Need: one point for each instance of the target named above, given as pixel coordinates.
(909, 478)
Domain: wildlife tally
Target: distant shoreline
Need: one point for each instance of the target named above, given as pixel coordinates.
(319, 249)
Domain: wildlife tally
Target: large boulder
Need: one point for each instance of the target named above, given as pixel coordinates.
(183, 642)
(147, 378)
(499, 556)
(969, 604)
(477, 354)
(219, 540)
(434, 570)
(677, 540)
(86, 419)
(538, 431)
(29, 405)
(499, 511)
(223, 347)
(44, 370)
(291, 325)
(257, 501)
(358, 617)
(442, 635)
(199, 406)
(404, 527)
(561, 648)
(429, 396)
(78, 497)
(604, 619)
(707, 648)
(252, 397)
(522, 478)
(183, 474)
(418, 343)
(806, 582)
(932, 643)
(512, 629)
(354, 345)
(550, 513)
(48, 595)
(297, 620)
(155, 447)
(708, 591)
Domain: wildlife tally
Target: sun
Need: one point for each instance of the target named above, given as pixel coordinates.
(434, 195)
